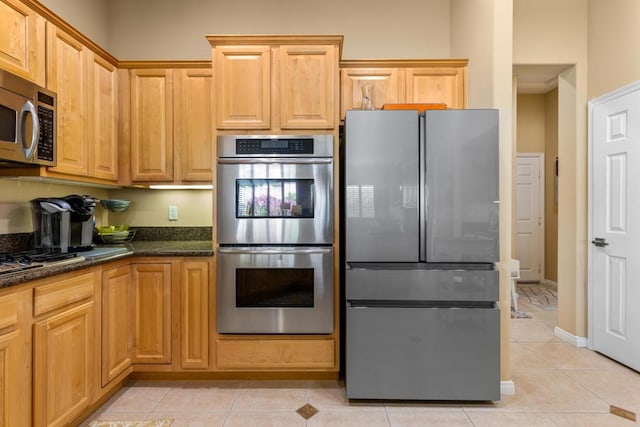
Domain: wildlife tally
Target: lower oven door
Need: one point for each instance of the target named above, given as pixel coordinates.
(275, 290)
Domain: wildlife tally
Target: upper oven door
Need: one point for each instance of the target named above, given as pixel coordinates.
(275, 201)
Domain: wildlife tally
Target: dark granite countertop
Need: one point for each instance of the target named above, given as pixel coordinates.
(171, 248)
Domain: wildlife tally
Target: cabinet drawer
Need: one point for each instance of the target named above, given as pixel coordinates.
(270, 354)
(8, 311)
(58, 294)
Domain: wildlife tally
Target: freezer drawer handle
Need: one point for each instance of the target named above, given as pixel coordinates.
(599, 242)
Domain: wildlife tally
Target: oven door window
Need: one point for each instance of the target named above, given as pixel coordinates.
(275, 198)
(274, 287)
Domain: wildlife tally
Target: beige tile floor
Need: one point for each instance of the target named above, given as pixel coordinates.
(556, 385)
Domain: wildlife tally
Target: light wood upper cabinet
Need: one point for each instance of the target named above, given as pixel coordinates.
(103, 118)
(276, 83)
(384, 82)
(193, 124)
(116, 322)
(66, 75)
(307, 87)
(445, 85)
(404, 81)
(242, 87)
(151, 125)
(22, 41)
(151, 318)
(167, 122)
(194, 314)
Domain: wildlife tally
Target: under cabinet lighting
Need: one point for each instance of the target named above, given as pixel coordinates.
(180, 187)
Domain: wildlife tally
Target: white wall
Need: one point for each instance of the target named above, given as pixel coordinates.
(531, 123)
(15, 209)
(614, 37)
(169, 29)
(482, 31)
(149, 208)
(555, 32)
(90, 17)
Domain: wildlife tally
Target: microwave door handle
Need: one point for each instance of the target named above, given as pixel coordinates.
(29, 108)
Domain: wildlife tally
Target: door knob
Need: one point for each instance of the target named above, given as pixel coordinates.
(599, 242)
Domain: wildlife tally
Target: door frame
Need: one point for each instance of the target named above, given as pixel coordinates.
(592, 105)
(541, 205)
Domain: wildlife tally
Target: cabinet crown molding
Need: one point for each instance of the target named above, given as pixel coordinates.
(402, 63)
(276, 39)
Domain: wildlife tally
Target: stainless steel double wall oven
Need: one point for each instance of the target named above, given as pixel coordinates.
(275, 232)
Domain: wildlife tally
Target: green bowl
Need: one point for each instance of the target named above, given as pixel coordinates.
(109, 229)
(115, 205)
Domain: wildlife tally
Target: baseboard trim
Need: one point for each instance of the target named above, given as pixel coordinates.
(507, 387)
(570, 338)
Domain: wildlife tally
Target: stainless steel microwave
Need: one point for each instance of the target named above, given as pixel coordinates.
(27, 122)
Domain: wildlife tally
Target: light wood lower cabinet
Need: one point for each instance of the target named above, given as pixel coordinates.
(151, 298)
(194, 314)
(116, 321)
(261, 354)
(15, 360)
(63, 371)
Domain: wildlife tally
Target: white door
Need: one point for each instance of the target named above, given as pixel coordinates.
(614, 255)
(529, 217)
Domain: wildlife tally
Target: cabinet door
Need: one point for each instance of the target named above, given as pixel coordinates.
(66, 75)
(242, 87)
(116, 314)
(193, 118)
(64, 352)
(152, 125)
(22, 41)
(194, 312)
(15, 362)
(103, 118)
(437, 85)
(151, 313)
(383, 83)
(307, 87)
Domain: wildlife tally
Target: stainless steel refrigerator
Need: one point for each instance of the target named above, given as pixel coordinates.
(421, 239)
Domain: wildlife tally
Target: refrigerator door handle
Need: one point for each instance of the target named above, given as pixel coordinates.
(423, 194)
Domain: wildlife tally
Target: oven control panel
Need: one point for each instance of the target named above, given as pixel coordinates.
(274, 146)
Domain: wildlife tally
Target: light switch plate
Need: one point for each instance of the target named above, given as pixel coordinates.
(173, 213)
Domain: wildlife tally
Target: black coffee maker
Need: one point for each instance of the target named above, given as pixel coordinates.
(63, 224)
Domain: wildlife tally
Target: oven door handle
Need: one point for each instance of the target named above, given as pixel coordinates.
(273, 250)
(280, 160)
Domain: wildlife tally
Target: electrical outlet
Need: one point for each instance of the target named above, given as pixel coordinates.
(173, 213)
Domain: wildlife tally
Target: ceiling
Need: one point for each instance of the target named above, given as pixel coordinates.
(537, 78)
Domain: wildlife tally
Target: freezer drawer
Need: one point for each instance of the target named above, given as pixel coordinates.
(420, 353)
(420, 284)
